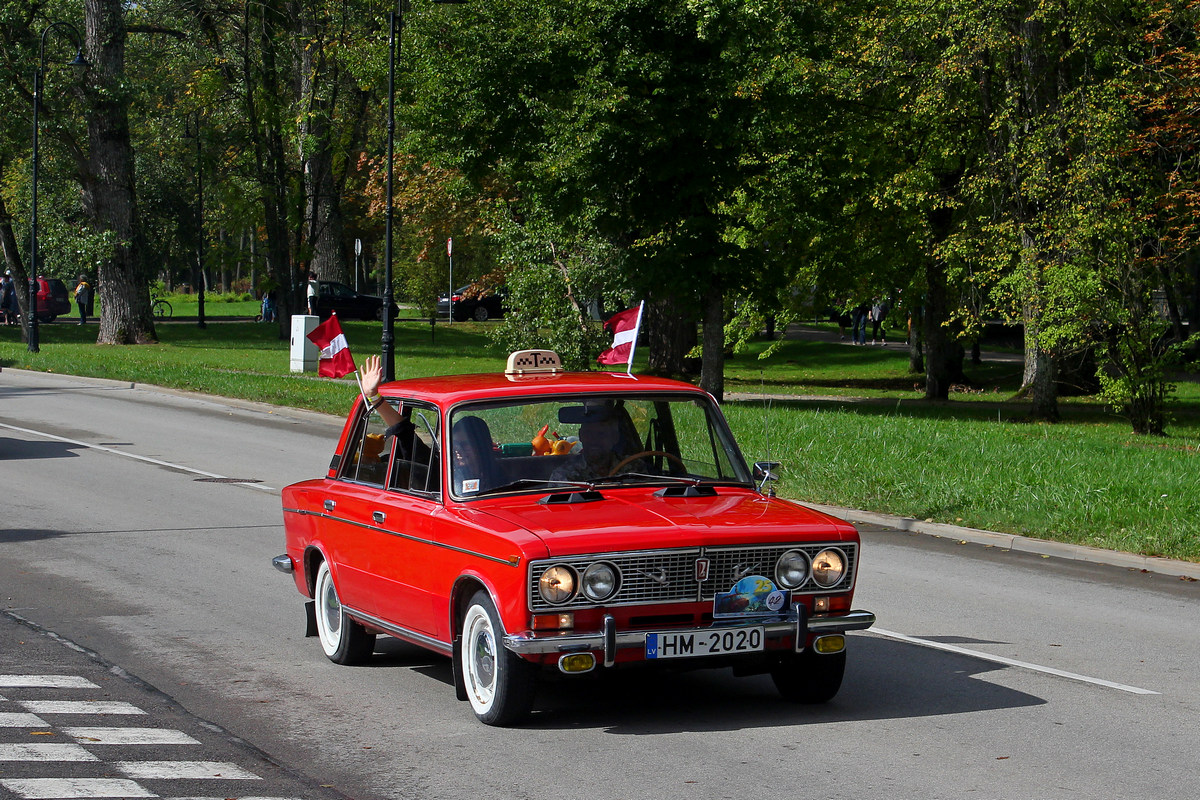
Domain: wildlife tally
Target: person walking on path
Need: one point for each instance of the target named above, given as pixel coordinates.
(879, 312)
(83, 299)
(858, 319)
(8, 300)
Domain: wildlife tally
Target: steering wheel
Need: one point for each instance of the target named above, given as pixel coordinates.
(629, 459)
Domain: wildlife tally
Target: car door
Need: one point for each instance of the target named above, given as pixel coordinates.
(406, 597)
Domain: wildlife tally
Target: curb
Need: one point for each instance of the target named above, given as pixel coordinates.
(1185, 570)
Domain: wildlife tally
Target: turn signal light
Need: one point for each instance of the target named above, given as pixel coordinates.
(826, 645)
(553, 622)
(577, 662)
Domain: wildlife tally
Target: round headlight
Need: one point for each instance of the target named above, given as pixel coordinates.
(557, 584)
(792, 569)
(829, 567)
(600, 581)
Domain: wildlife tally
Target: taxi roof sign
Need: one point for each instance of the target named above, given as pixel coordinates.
(532, 362)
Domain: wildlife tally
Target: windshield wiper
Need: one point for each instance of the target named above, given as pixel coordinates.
(523, 482)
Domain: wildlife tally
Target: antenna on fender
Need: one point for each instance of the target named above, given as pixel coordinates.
(764, 471)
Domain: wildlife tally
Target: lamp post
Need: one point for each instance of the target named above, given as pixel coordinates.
(395, 26)
(79, 63)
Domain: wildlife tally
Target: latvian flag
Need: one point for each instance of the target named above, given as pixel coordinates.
(624, 328)
(336, 360)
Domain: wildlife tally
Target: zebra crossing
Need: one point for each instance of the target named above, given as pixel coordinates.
(63, 738)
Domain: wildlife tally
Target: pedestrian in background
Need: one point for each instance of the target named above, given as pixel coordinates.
(8, 300)
(858, 319)
(879, 312)
(83, 299)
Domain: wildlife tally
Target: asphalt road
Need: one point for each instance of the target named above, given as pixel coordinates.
(992, 674)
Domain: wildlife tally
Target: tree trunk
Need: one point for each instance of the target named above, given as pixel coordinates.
(669, 336)
(109, 200)
(318, 96)
(14, 264)
(712, 365)
(1040, 381)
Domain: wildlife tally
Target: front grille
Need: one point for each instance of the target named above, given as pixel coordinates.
(669, 576)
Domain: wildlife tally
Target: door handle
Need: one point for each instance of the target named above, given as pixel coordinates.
(379, 517)
(330, 505)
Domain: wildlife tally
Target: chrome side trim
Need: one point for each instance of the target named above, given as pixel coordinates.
(417, 539)
(609, 640)
(402, 633)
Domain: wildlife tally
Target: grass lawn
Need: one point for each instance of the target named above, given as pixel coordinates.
(847, 423)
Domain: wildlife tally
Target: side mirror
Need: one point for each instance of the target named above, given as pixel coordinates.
(764, 473)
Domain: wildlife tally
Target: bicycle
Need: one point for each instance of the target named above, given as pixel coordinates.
(160, 308)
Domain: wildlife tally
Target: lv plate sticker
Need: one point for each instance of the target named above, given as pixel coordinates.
(753, 595)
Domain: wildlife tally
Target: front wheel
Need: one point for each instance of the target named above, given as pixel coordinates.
(481, 314)
(498, 683)
(161, 309)
(342, 639)
(809, 677)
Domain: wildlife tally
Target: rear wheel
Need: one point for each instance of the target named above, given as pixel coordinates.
(343, 640)
(809, 677)
(499, 684)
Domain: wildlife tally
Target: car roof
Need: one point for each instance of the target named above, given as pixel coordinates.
(448, 390)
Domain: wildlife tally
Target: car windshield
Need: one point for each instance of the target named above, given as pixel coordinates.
(560, 444)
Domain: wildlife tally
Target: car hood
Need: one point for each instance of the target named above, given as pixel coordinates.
(637, 520)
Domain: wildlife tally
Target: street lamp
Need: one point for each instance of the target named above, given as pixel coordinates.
(395, 26)
(80, 64)
(198, 273)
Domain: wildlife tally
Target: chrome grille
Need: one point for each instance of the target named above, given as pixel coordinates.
(669, 576)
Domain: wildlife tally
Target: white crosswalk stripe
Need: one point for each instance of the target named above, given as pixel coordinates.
(45, 682)
(19, 719)
(74, 788)
(147, 770)
(128, 736)
(79, 707)
(45, 752)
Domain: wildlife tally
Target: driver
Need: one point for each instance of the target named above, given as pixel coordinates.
(599, 452)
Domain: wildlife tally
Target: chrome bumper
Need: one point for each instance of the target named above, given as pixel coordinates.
(609, 640)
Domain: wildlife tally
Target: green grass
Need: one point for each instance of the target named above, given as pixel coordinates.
(974, 461)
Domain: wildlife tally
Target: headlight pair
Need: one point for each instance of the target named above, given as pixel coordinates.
(827, 568)
(560, 583)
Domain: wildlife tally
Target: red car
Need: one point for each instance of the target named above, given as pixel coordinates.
(540, 520)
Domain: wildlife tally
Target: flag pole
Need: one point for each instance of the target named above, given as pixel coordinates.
(637, 328)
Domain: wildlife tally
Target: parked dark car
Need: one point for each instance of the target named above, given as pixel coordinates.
(349, 304)
(473, 302)
(53, 299)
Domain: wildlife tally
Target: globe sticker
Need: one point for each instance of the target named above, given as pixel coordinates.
(754, 595)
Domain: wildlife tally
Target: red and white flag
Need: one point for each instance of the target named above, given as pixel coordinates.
(624, 328)
(336, 360)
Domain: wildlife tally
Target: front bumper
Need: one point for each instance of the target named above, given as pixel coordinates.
(609, 640)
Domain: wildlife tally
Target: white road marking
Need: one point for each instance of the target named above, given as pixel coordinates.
(45, 681)
(80, 707)
(45, 752)
(129, 736)
(1011, 662)
(184, 770)
(73, 788)
(135, 456)
(19, 719)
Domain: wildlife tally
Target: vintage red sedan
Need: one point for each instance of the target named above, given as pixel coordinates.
(541, 519)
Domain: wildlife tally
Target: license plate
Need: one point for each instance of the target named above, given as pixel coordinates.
(712, 642)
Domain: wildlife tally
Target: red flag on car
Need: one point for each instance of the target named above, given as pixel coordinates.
(624, 328)
(336, 360)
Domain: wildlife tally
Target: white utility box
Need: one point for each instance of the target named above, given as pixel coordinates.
(305, 354)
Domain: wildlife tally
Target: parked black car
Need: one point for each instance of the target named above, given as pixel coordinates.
(349, 304)
(53, 299)
(473, 302)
